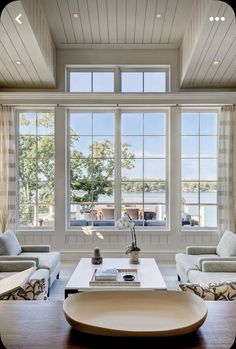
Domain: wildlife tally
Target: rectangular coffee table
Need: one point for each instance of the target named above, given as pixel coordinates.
(148, 272)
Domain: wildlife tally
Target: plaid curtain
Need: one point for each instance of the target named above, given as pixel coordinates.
(227, 169)
(7, 169)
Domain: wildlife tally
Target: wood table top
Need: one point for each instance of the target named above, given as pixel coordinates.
(41, 324)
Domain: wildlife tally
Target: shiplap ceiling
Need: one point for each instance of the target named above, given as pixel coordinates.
(184, 24)
(117, 22)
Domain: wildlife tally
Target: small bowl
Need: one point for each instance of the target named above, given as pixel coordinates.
(129, 277)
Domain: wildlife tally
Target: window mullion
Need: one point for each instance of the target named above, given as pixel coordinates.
(117, 164)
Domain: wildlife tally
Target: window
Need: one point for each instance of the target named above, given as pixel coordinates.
(143, 166)
(91, 81)
(150, 81)
(199, 169)
(103, 159)
(36, 169)
(118, 79)
(92, 161)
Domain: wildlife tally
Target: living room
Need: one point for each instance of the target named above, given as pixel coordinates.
(111, 109)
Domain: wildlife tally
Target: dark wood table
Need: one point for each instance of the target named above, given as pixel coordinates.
(41, 324)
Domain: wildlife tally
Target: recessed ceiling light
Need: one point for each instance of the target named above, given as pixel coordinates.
(211, 19)
(75, 15)
(222, 19)
(18, 62)
(217, 19)
(158, 15)
(216, 62)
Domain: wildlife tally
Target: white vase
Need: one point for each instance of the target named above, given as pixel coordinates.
(134, 257)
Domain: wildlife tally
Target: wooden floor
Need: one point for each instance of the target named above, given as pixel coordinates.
(57, 290)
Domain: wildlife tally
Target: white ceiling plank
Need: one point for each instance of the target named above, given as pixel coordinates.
(130, 21)
(66, 19)
(7, 75)
(140, 21)
(158, 25)
(3, 81)
(12, 68)
(84, 15)
(31, 44)
(201, 50)
(94, 22)
(168, 22)
(121, 21)
(230, 73)
(55, 22)
(149, 21)
(183, 11)
(225, 54)
(15, 47)
(103, 20)
(76, 22)
(112, 21)
(219, 45)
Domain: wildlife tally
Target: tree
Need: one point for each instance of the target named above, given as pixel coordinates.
(91, 177)
(36, 166)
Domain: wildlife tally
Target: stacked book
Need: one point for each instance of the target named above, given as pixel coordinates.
(106, 274)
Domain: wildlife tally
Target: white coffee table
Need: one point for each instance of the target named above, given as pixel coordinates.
(149, 275)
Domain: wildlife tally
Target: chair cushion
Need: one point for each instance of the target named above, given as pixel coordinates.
(227, 245)
(47, 260)
(31, 290)
(9, 245)
(225, 291)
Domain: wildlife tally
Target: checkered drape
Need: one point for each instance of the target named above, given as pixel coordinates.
(227, 169)
(7, 168)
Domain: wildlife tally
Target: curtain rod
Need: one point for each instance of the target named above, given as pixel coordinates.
(117, 105)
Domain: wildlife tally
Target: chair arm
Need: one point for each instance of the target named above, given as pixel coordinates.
(19, 258)
(219, 266)
(9, 266)
(201, 249)
(213, 259)
(35, 248)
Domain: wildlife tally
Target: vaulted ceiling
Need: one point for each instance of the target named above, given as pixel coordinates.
(29, 43)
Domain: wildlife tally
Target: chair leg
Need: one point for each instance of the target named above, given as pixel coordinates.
(58, 275)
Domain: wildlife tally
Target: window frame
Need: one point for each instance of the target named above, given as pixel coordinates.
(117, 173)
(165, 70)
(17, 138)
(199, 109)
(117, 70)
(70, 70)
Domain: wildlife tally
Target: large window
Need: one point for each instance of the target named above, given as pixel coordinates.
(92, 161)
(199, 169)
(143, 168)
(36, 169)
(118, 161)
(125, 165)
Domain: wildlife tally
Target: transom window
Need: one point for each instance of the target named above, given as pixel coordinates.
(36, 169)
(118, 79)
(91, 81)
(199, 169)
(143, 81)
